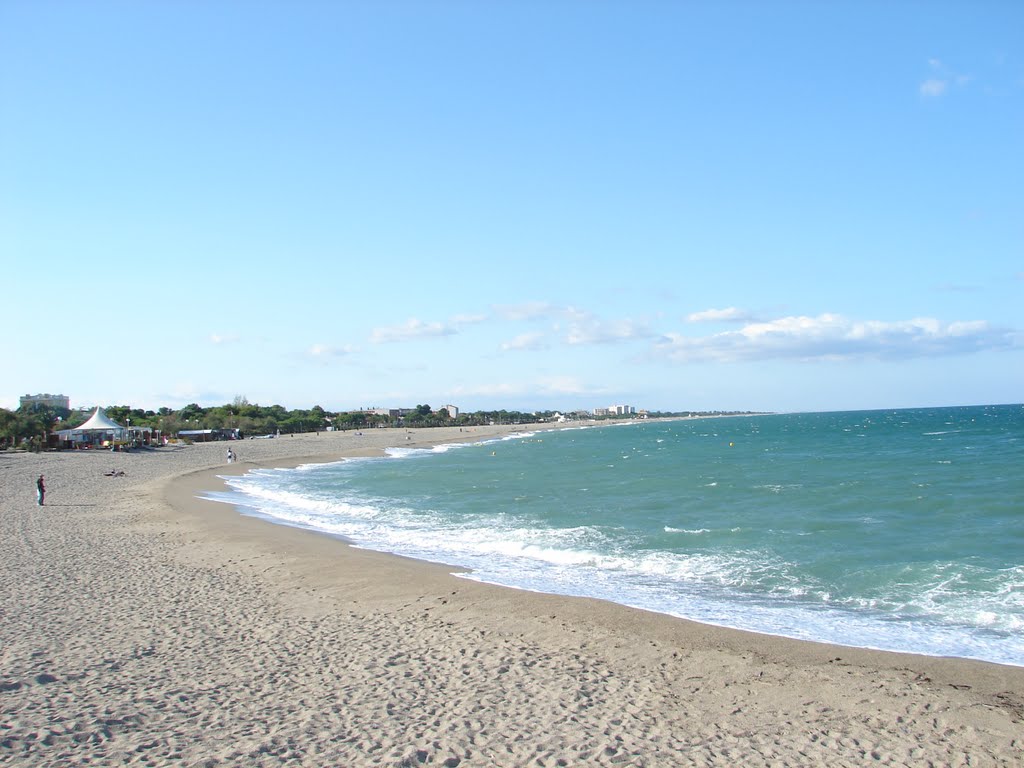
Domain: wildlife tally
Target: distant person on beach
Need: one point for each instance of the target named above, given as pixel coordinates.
(231, 456)
(40, 491)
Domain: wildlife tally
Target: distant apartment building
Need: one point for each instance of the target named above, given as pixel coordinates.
(453, 410)
(614, 410)
(50, 401)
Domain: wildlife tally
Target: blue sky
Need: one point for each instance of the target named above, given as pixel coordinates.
(737, 205)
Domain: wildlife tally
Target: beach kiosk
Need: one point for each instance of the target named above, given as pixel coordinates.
(99, 430)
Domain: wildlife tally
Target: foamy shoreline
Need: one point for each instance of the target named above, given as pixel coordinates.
(143, 626)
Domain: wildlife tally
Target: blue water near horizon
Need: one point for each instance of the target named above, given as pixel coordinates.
(900, 530)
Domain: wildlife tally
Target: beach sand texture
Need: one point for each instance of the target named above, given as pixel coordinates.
(141, 626)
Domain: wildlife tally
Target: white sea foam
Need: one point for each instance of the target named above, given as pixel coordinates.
(721, 573)
(714, 589)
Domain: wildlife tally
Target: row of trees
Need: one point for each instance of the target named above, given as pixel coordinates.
(31, 426)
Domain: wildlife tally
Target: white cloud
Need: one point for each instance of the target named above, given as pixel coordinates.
(224, 338)
(584, 328)
(525, 341)
(730, 314)
(578, 326)
(410, 330)
(933, 87)
(833, 337)
(417, 329)
(942, 77)
(327, 350)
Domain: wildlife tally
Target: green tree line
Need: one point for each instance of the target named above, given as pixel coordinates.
(31, 426)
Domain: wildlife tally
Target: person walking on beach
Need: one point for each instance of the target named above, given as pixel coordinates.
(231, 456)
(40, 491)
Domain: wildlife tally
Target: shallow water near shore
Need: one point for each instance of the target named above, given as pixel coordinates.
(898, 530)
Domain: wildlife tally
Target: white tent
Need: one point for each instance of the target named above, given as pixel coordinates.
(99, 421)
(98, 428)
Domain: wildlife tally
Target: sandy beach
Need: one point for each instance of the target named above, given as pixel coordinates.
(140, 625)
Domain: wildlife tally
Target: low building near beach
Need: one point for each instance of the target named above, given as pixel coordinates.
(207, 435)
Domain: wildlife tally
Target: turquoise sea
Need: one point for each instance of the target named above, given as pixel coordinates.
(901, 530)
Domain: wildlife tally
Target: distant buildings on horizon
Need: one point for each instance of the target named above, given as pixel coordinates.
(615, 410)
(453, 412)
